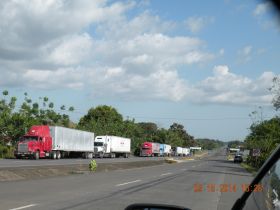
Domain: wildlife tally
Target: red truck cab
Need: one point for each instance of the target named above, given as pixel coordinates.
(36, 143)
(146, 149)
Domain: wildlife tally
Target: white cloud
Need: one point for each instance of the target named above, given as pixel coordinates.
(230, 88)
(95, 46)
(196, 24)
(262, 8)
(49, 79)
(71, 50)
(245, 54)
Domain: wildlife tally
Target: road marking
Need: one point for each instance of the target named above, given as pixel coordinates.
(165, 174)
(138, 180)
(24, 207)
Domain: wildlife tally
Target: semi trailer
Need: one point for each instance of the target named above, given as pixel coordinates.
(55, 142)
(112, 146)
(150, 149)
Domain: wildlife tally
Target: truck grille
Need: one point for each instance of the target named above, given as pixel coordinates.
(22, 148)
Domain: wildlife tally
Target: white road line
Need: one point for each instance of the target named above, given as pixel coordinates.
(165, 174)
(24, 207)
(138, 180)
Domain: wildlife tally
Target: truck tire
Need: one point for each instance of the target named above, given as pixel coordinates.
(37, 155)
(101, 155)
(58, 155)
(90, 155)
(53, 155)
(125, 155)
(112, 155)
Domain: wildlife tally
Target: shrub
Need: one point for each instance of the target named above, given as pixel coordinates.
(92, 165)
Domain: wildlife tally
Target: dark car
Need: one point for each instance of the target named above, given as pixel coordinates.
(238, 158)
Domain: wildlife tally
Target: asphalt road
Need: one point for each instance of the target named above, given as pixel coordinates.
(5, 163)
(189, 184)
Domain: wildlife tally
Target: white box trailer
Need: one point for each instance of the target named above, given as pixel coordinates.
(166, 150)
(72, 140)
(112, 146)
(186, 151)
(177, 151)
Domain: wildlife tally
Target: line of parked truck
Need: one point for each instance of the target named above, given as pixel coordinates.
(156, 149)
(56, 142)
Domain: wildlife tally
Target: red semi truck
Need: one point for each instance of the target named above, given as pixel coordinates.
(150, 149)
(55, 142)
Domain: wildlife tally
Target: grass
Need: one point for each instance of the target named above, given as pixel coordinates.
(249, 168)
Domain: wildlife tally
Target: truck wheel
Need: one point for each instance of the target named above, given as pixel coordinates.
(90, 155)
(112, 155)
(58, 155)
(37, 155)
(125, 155)
(101, 155)
(53, 155)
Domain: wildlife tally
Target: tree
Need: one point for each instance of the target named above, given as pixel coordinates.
(149, 129)
(275, 89)
(179, 136)
(14, 123)
(264, 136)
(103, 120)
(209, 144)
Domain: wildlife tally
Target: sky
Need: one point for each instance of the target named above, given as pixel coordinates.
(204, 64)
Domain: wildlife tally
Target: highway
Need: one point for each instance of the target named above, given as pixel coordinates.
(188, 184)
(12, 163)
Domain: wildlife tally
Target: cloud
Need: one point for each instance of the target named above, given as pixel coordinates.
(98, 47)
(262, 9)
(225, 87)
(71, 50)
(196, 24)
(245, 54)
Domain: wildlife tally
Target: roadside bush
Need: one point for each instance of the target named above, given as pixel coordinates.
(6, 151)
(92, 165)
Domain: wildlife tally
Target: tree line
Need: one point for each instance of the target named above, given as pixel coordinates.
(264, 134)
(15, 120)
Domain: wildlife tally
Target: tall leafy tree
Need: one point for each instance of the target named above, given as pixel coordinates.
(103, 120)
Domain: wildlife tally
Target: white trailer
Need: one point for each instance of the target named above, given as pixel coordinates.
(186, 151)
(111, 146)
(179, 151)
(66, 140)
(167, 150)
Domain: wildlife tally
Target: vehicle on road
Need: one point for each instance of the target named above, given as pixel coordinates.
(150, 149)
(186, 152)
(238, 158)
(177, 151)
(112, 146)
(165, 150)
(55, 142)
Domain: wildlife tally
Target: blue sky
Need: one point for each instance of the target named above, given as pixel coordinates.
(205, 64)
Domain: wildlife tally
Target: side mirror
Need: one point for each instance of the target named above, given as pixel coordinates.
(148, 206)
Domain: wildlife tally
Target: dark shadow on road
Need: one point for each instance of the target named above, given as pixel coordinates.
(220, 172)
(221, 161)
(234, 169)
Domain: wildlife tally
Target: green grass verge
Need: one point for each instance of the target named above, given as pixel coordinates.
(249, 168)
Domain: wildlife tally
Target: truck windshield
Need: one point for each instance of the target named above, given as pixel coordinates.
(98, 144)
(30, 138)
